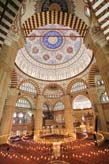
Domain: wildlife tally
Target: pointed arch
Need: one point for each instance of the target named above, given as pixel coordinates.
(53, 86)
(33, 83)
(61, 104)
(68, 91)
(29, 98)
(81, 101)
(48, 104)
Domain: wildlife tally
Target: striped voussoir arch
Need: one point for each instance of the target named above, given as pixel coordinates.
(8, 11)
(32, 82)
(92, 72)
(68, 90)
(54, 17)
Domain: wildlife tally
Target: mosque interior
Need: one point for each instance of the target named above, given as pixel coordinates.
(54, 81)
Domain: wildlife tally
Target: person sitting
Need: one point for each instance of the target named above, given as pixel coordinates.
(8, 148)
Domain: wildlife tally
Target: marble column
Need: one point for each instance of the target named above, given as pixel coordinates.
(68, 112)
(4, 84)
(7, 59)
(5, 75)
(101, 55)
(9, 108)
(97, 107)
(38, 118)
(103, 64)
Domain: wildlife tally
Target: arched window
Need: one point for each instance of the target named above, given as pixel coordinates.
(104, 97)
(59, 106)
(87, 11)
(20, 115)
(28, 87)
(23, 112)
(99, 82)
(45, 108)
(81, 102)
(23, 103)
(98, 79)
(78, 87)
(14, 115)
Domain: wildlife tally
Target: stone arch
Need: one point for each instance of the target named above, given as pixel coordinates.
(73, 82)
(59, 101)
(33, 83)
(48, 103)
(50, 85)
(29, 98)
(82, 95)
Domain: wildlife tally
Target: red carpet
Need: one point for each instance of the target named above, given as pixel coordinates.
(75, 152)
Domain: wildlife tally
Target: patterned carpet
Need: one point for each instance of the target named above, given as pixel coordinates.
(57, 162)
(72, 152)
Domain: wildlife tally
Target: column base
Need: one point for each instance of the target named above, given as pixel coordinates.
(3, 139)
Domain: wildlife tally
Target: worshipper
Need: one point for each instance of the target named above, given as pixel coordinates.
(8, 148)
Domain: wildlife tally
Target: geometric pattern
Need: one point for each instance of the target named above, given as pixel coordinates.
(53, 44)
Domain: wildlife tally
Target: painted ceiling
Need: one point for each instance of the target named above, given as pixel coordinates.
(53, 52)
(52, 46)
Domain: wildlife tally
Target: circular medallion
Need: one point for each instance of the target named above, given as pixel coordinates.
(52, 40)
(49, 45)
(32, 36)
(73, 37)
(46, 57)
(35, 50)
(70, 50)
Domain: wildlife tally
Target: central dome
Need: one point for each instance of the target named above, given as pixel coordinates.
(53, 52)
(55, 46)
